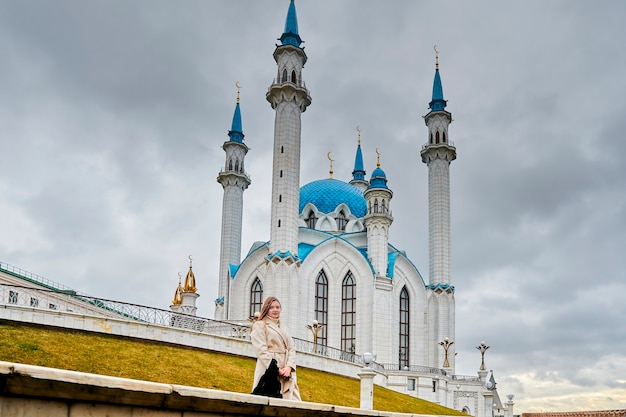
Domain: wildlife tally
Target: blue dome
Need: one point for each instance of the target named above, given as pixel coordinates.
(379, 179)
(327, 194)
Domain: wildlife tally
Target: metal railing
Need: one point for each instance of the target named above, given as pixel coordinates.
(29, 276)
(83, 304)
(413, 368)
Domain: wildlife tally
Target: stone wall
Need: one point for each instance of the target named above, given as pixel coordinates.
(34, 391)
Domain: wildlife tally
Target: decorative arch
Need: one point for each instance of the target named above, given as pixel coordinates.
(256, 296)
(311, 219)
(348, 313)
(321, 306)
(404, 329)
(341, 220)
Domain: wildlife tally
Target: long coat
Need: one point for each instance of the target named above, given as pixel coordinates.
(271, 340)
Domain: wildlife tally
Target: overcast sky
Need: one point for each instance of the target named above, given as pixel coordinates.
(113, 114)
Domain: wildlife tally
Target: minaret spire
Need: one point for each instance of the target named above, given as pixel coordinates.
(437, 154)
(235, 181)
(358, 174)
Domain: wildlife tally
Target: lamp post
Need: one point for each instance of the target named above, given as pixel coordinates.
(483, 348)
(315, 328)
(446, 345)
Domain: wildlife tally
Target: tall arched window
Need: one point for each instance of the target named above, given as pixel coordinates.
(321, 306)
(230, 164)
(348, 313)
(293, 77)
(375, 205)
(284, 76)
(437, 137)
(384, 208)
(256, 296)
(310, 221)
(403, 359)
(237, 165)
(341, 220)
(444, 137)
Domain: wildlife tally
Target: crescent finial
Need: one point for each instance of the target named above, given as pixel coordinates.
(180, 276)
(436, 57)
(330, 171)
(238, 88)
(190, 260)
(378, 156)
(358, 129)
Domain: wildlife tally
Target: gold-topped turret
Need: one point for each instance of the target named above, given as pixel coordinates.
(178, 295)
(190, 280)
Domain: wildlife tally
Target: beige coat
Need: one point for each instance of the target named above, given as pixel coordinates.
(271, 340)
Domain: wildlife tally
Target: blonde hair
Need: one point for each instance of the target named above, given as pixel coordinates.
(266, 306)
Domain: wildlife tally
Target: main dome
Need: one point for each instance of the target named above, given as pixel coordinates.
(327, 194)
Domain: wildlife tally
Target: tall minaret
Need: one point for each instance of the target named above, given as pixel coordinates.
(358, 174)
(437, 154)
(234, 180)
(289, 97)
(377, 222)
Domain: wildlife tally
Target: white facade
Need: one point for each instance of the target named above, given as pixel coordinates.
(332, 262)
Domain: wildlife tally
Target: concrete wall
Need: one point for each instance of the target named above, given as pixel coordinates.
(34, 391)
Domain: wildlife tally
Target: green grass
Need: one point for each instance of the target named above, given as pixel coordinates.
(156, 362)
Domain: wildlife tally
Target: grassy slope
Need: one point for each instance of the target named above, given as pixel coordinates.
(128, 358)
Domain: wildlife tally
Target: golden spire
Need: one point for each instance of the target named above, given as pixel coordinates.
(238, 88)
(178, 299)
(436, 57)
(190, 280)
(331, 166)
(358, 129)
(378, 156)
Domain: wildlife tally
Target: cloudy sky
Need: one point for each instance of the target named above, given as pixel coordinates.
(112, 117)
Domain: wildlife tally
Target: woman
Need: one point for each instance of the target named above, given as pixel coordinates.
(271, 340)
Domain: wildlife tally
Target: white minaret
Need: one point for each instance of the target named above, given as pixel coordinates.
(289, 97)
(377, 222)
(437, 154)
(234, 180)
(378, 219)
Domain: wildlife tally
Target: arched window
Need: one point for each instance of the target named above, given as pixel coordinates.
(237, 165)
(310, 221)
(281, 173)
(341, 220)
(280, 198)
(403, 359)
(256, 296)
(282, 149)
(321, 306)
(284, 76)
(230, 164)
(375, 205)
(293, 77)
(437, 137)
(431, 137)
(384, 210)
(278, 222)
(444, 137)
(348, 313)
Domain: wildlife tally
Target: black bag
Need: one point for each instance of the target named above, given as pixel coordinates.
(269, 385)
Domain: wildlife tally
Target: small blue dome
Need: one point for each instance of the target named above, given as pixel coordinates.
(327, 194)
(379, 179)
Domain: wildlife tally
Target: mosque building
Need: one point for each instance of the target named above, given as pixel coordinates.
(329, 258)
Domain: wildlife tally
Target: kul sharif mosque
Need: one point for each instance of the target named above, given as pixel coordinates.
(329, 258)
